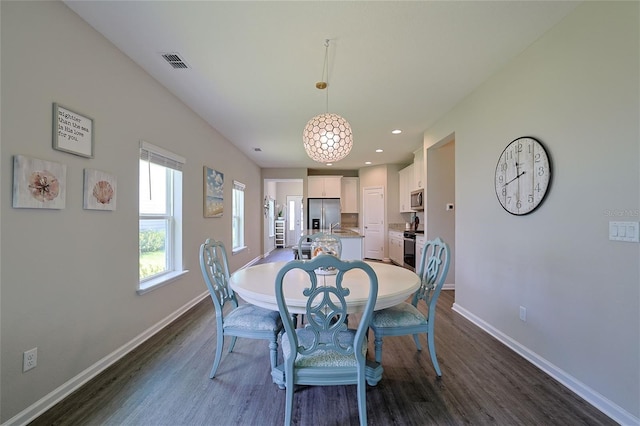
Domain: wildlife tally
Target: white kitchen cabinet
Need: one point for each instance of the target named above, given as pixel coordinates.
(280, 230)
(349, 194)
(418, 169)
(396, 247)
(404, 188)
(351, 248)
(324, 186)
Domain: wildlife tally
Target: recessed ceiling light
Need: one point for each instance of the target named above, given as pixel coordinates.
(367, 162)
(378, 150)
(329, 164)
(396, 131)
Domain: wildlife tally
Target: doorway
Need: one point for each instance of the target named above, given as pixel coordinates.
(279, 189)
(294, 215)
(373, 222)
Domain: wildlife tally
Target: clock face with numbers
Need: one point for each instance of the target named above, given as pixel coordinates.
(523, 175)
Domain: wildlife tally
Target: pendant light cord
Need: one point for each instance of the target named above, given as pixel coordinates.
(326, 69)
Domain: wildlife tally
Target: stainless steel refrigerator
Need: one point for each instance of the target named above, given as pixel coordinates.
(322, 212)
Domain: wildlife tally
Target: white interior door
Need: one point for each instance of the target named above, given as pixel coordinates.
(373, 222)
(294, 219)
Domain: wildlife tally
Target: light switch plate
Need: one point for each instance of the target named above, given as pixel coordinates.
(624, 231)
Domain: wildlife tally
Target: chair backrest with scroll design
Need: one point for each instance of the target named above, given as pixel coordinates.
(325, 351)
(433, 269)
(215, 270)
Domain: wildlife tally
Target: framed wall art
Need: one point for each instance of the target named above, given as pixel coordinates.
(213, 193)
(72, 132)
(38, 184)
(100, 190)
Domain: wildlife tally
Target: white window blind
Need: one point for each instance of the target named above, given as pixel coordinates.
(237, 220)
(160, 217)
(155, 154)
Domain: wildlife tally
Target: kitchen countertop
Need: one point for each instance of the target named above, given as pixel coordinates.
(342, 233)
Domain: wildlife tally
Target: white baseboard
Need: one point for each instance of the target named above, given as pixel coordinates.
(608, 407)
(253, 261)
(34, 410)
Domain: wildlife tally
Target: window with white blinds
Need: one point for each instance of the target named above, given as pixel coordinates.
(237, 220)
(160, 216)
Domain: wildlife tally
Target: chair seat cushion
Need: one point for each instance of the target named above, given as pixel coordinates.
(322, 357)
(252, 317)
(402, 315)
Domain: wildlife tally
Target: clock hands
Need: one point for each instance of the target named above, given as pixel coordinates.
(517, 177)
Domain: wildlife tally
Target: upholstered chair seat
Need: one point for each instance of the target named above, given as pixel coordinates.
(406, 319)
(247, 321)
(325, 351)
(402, 315)
(254, 318)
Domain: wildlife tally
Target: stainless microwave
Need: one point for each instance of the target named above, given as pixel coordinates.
(417, 199)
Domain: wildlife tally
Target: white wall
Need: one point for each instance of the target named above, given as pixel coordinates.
(577, 90)
(68, 277)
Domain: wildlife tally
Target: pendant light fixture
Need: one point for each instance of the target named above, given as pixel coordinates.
(327, 137)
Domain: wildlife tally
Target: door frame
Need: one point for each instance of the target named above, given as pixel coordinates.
(368, 239)
(292, 236)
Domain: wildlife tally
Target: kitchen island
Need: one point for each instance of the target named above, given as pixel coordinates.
(351, 242)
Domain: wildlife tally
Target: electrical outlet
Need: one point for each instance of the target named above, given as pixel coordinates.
(29, 359)
(523, 313)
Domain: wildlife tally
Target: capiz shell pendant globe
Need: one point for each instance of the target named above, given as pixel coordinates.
(327, 138)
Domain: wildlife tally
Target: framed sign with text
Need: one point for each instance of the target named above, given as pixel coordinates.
(72, 132)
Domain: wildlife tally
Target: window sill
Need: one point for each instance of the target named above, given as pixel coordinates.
(161, 281)
(238, 250)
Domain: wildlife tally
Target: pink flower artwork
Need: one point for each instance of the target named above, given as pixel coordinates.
(38, 184)
(43, 185)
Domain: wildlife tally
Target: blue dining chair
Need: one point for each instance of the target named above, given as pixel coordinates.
(405, 318)
(325, 351)
(244, 320)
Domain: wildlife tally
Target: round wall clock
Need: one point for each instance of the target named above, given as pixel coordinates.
(523, 175)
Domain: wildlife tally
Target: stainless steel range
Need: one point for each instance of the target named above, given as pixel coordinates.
(410, 249)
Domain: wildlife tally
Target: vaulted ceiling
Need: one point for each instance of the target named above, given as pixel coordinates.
(252, 66)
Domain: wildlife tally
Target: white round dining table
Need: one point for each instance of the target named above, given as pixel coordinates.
(256, 285)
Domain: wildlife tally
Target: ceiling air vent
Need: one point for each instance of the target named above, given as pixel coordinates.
(175, 60)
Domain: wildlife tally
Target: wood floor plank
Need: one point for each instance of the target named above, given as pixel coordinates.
(166, 381)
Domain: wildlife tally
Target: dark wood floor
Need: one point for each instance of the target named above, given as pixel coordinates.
(166, 381)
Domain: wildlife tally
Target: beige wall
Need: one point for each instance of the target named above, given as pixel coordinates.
(288, 188)
(577, 90)
(68, 277)
(440, 192)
